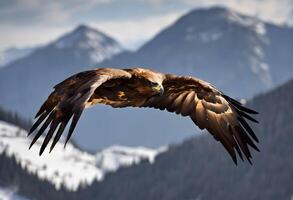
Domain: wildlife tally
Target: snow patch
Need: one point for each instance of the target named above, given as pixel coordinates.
(260, 28)
(10, 194)
(70, 167)
(247, 21)
(203, 36)
(110, 159)
(260, 67)
(234, 17)
(11, 54)
(6, 194)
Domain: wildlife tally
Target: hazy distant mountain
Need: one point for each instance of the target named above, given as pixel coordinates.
(11, 54)
(240, 54)
(27, 81)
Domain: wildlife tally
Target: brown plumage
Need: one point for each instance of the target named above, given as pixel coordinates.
(208, 108)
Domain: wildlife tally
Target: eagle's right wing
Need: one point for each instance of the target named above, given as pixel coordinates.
(69, 100)
(209, 109)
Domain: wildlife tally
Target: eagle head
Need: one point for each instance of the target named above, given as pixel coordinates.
(154, 79)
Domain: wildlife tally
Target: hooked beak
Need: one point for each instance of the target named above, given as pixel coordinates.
(158, 88)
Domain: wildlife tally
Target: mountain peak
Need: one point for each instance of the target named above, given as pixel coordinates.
(219, 14)
(84, 29)
(82, 34)
(213, 9)
(96, 44)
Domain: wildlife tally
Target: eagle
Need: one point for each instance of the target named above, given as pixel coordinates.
(209, 108)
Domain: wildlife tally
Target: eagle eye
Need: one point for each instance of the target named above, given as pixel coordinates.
(153, 83)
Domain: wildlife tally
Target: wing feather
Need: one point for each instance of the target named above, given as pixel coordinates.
(188, 104)
(209, 109)
(67, 101)
(200, 113)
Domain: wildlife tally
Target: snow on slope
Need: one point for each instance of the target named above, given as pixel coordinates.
(10, 194)
(98, 45)
(258, 65)
(110, 159)
(11, 54)
(70, 166)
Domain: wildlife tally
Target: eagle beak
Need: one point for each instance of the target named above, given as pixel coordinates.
(161, 91)
(158, 88)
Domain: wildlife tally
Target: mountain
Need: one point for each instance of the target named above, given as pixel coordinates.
(199, 168)
(27, 81)
(241, 55)
(84, 41)
(11, 54)
(89, 43)
(62, 168)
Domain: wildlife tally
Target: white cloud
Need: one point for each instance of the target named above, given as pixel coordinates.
(29, 22)
(133, 32)
(29, 35)
(130, 33)
(154, 2)
(40, 11)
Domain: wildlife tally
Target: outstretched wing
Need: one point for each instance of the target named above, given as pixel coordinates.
(67, 101)
(209, 109)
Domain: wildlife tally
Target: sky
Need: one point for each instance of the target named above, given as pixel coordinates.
(132, 22)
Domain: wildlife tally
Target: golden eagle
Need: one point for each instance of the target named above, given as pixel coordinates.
(207, 107)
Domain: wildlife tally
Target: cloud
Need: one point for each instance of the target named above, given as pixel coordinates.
(155, 2)
(29, 22)
(29, 35)
(132, 33)
(17, 12)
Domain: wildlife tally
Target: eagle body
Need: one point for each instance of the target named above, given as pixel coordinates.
(207, 107)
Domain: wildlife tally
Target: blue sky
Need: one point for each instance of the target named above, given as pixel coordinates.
(131, 22)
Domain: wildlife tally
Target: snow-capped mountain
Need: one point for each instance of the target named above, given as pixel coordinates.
(38, 72)
(221, 46)
(11, 54)
(96, 44)
(69, 166)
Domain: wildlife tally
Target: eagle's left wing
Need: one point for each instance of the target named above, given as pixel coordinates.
(68, 100)
(209, 109)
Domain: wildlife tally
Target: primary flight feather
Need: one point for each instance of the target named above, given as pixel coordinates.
(207, 107)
